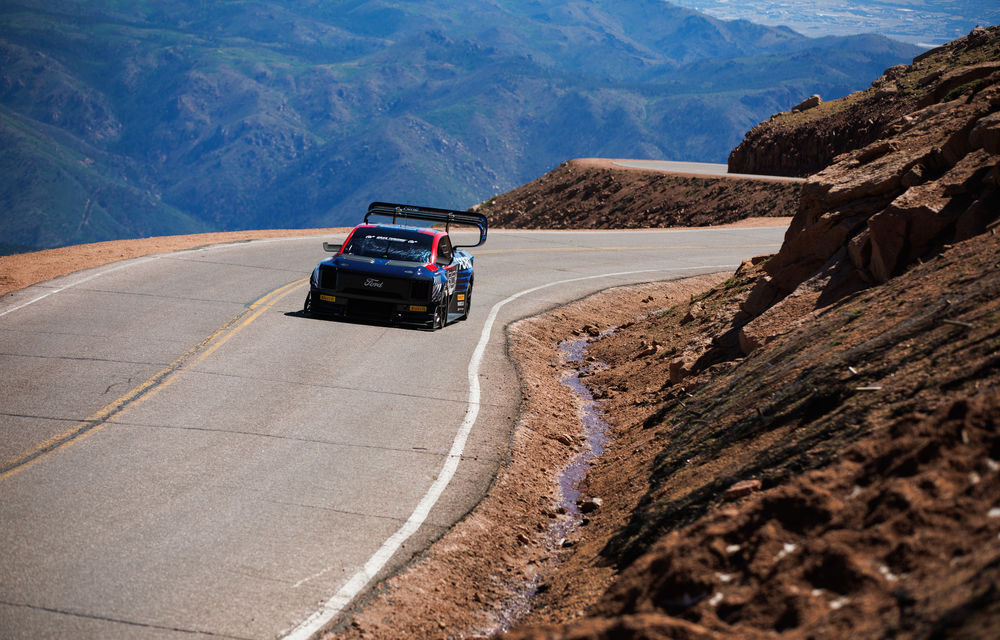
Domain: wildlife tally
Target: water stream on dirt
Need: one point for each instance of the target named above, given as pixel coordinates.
(595, 439)
(594, 431)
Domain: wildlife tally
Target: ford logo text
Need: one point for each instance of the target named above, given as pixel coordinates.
(373, 283)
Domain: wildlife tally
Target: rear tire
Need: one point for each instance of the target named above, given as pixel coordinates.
(440, 317)
(443, 311)
(307, 305)
(468, 302)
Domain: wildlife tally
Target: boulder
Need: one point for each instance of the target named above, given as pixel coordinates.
(811, 102)
(741, 489)
(681, 367)
(986, 134)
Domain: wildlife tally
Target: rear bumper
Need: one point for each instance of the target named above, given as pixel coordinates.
(333, 304)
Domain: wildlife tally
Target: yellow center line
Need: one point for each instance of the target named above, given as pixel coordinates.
(642, 248)
(163, 378)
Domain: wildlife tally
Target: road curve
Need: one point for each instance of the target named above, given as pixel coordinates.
(183, 454)
(709, 169)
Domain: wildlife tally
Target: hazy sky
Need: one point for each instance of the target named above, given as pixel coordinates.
(922, 22)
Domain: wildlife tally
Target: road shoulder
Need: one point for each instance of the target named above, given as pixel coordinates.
(475, 580)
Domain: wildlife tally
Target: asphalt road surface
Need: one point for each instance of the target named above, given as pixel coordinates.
(184, 455)
(697, 168)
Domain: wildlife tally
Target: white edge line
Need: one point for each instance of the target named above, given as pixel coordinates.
(141, 260)
(381, 557)
(123, 265)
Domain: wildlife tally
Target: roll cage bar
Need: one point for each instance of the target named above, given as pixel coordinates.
(431, 214)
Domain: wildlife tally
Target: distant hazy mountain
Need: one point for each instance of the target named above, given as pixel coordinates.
(922, 22)
(124, 119)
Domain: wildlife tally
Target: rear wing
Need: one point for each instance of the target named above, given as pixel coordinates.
(430, 214)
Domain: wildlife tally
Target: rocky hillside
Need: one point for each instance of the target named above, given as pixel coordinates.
(598, 194)
(840, 481)
(807, 138)
(812, 448)
(932, 179)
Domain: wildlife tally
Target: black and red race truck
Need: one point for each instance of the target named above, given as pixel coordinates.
(403, 271)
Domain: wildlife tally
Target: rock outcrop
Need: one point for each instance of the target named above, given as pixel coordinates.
(930, 180)
(804, 140)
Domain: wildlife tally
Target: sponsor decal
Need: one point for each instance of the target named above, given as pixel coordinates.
(373, 283)
(326, 298)
(390, 239)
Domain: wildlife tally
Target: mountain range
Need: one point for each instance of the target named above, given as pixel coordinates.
(129, 119)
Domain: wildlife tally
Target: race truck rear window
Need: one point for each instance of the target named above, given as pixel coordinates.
(392, 244)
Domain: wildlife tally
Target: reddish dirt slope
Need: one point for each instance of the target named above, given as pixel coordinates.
(590, 193)
(820, 434)
(25, 269)
(867, 435)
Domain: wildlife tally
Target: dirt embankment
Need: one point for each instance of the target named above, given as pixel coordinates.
(590, 193)
(841, 481)
(819, 435)
(24, 269)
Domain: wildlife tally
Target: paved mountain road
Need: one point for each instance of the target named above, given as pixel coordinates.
(707, 169)
(182, 454)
